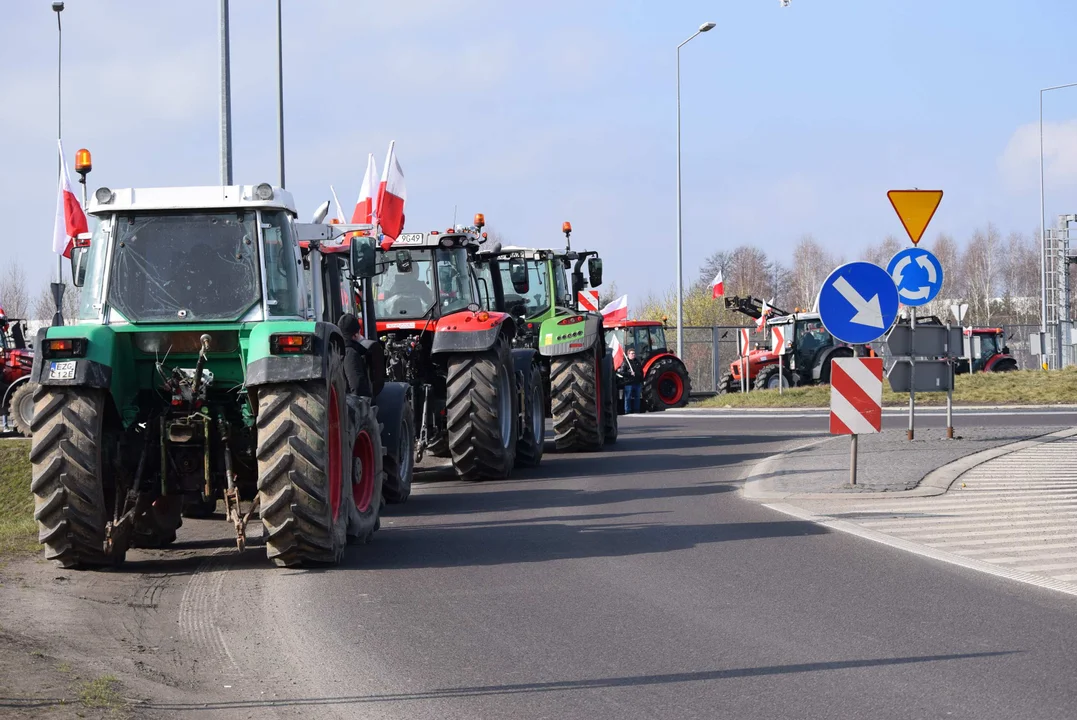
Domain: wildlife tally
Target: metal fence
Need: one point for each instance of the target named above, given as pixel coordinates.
(708, 351)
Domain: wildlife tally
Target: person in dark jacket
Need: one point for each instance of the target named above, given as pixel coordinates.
(632, 376)
(355, 356)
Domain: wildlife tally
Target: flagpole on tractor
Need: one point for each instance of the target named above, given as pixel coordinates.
(58, 286)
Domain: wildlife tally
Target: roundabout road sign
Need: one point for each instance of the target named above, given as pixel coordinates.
(917, 275)
(858, 303)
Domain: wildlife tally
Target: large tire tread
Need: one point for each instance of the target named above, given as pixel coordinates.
(574, 392)
(473, 414)
(651, 399)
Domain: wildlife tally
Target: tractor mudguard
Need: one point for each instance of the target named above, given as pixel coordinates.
(264, 368)
(93, 369)
(391, 402)
(656, 357)
(523, 360)
(465, 332)
(10, 390)
(574, 337)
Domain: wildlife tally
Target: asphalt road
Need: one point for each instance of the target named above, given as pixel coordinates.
(633, 583)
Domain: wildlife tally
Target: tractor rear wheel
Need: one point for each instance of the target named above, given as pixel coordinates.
(368, 475)
(302, 468)
(22, 408)
(68, 478)
(532, 441)
(576, 396)
(481, 413)
(400, 461)
(666, 385)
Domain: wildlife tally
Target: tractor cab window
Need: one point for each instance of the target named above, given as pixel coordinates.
(657, 337)
(537, 298)
(282, 265)
(562, 295)
(619, 334)
(456, 286)
(184, 266)
(408, 293)
(989, 346)
(92, 297)
(641, 341)
(811, 336)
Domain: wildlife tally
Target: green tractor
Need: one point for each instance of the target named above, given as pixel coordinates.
(578, 380)
(202, 369)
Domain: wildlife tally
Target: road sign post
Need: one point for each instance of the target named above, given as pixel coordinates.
(743, 348)
(950, 397)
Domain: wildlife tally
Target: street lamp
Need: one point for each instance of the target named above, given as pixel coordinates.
(58, 286)
(705, 27)
(1043, 240)
(280, 95)
(226, 99)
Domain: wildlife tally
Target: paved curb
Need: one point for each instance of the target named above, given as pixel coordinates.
(936, 482)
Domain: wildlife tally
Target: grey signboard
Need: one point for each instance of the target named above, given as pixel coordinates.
(927, 341)
(930, 375)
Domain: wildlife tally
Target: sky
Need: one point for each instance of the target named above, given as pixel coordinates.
(795, 119)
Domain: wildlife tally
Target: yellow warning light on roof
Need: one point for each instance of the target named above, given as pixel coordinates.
(915, 208)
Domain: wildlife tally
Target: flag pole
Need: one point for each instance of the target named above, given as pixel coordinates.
(58, 286)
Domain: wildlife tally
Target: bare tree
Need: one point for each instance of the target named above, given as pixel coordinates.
(811, 264)
(980, 264)
(44, 308)
(881, 253)
(13, 296)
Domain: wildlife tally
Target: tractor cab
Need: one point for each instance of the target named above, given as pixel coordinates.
(646, 337)
(988, 350)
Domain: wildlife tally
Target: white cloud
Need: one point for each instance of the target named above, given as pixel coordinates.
(1019, 163)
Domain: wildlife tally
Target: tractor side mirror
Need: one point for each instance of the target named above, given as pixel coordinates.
(518, 275)
(403, 261)
(1005, 350)
(78, 260)
(594, 270)
(363, 258)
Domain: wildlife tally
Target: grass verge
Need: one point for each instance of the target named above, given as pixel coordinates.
(1023, 387)
(18, 532)
(101, 693)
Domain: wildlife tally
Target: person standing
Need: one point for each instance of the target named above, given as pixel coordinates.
(632, 375)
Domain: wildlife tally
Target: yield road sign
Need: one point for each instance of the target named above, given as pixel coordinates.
(856, 395)
(858, 302)
(915, 208)
(959, 311)
(917, 275)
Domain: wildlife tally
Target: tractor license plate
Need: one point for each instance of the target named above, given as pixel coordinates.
(62, 370)
(410, 239)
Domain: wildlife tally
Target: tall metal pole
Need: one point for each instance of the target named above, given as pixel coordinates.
(1043, 238)
(58, 286)
(280, 94)
(226, 101)
(680, 282)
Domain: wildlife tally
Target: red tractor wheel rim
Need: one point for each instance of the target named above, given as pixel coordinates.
(363, 490)
(670, 387)
(335, 464)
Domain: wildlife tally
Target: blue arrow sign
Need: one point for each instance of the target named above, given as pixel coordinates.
(917, 275)
(858, 303)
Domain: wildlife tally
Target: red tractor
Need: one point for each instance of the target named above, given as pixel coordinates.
(666, 383)
(809, 349)
(16, 361)
(474, 393)
(992, 354)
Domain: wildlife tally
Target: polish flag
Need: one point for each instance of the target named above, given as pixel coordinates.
(717, 287)
(618, 352)
(762, 321)
(364, 207)
(70, 220)
(391, 198)
(340, 208)
(616, 311)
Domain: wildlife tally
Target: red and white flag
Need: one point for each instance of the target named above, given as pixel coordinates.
(340, 208)
(364, 206)
(618, 352)
(717, 287)
(70, 220)
(391, 196)
(616, 311)
(762, 321)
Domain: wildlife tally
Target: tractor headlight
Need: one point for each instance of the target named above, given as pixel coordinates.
(263, 191)
(104, 196)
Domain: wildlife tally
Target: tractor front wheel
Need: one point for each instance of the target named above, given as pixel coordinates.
(400, 461)
(481, 413)
(770, 377)
(576, 390)
(302, 468)
(728, 384)
(532, 441)
(368, 473)
(68, 477)
(22, 408)
(666, 385)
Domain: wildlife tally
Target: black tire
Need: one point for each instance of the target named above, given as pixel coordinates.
(70, 506)
(400, 461)
(368, 474)
(532, 441)
(21, 408)
(301, 450)
(728, 384)
(610, 416)
(481, 411)
(1006, 365)
(576, 399)
(666, 385)
(768, 378)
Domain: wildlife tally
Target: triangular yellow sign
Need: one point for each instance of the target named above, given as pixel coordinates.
(915, 208)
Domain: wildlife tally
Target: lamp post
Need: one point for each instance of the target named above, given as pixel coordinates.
(58, 286)
(1043, 238)
(280, 95)
(226, 100)
(705, 27)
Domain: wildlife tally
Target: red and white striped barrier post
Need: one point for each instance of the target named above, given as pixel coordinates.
(856, 400)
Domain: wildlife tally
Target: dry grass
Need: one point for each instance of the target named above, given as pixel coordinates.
(18, 532)
(1024, 387)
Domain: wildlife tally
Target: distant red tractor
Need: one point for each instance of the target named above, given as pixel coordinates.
(16, 360)
(993, 354)
(666, 383)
